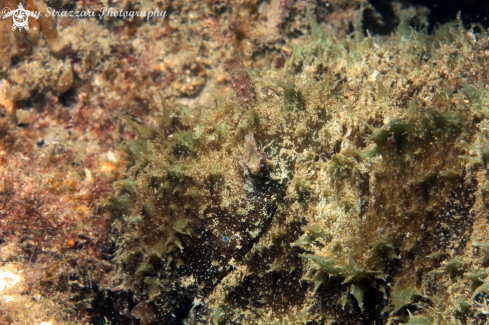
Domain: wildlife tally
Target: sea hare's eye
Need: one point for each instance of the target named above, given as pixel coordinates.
(225, 240)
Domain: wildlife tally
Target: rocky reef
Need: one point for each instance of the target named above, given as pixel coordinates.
(339, 179)
(33, 62)
(351, 191)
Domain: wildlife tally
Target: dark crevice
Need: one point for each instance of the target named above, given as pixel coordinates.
(112, 306)
(380, 19)
(180, 313)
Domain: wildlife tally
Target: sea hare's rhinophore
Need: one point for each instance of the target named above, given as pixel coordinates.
(254, 158)
(242, 83)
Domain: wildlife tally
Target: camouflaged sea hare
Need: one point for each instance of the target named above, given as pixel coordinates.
(358, 197)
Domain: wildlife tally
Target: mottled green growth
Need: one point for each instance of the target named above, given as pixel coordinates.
(292, 97)
(215, 173)
(304, 241)
(317, 231)
(358, 291)
(477, 277)
(222, 131)
(193, 192)
(122, 201)
(354, 274)
(379, 137)
(384, 250)
(137, 148)
(404, 29)
(220, 313)
(144, 132)
(483, 244)
(149, 207)
(187, 141)
(145, 268)
(484, 287)
(403, 293)
(159, 172)
(382, 92)
(177, 171)
(159, 247)
(182, 226)
(339, 168)
(129, 186)
(328, 264)
(319, 279)
(302, 187)
(127, 258)
(455, 267)
(421, 320)
(317, 33)
(449, 123)
(485, 156)
(403, 136)
(445, 32)
(461, 308)
(474, 95)
(253, 119)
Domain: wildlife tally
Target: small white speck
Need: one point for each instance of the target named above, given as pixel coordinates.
(373, 76)
(111, 157)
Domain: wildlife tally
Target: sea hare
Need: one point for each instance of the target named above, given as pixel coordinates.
(369, 186)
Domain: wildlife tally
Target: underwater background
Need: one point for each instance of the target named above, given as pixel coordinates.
(244, 162)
